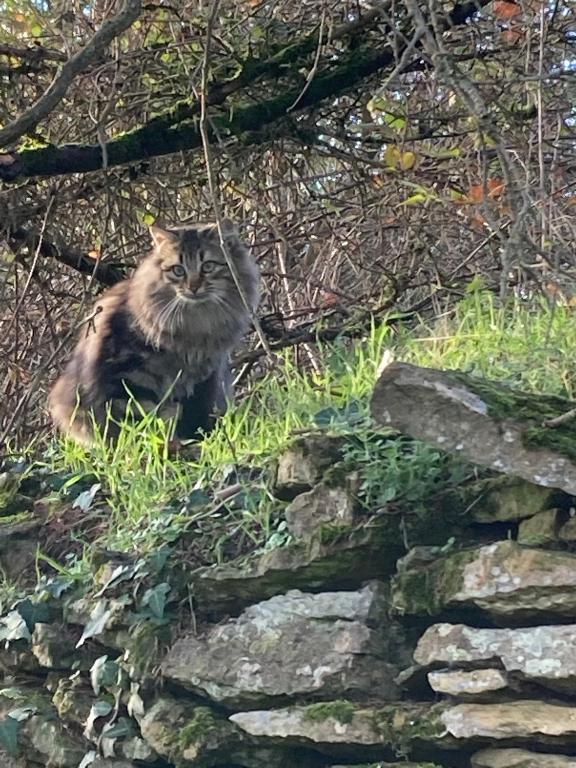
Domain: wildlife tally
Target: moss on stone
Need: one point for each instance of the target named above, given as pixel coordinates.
(403, 727)
(195, 729)
(530, 409)
(340, 710)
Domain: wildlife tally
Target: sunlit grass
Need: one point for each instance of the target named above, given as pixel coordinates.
(528, 346)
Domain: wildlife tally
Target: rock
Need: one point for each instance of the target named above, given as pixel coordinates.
(17, 657)
(468, 685)
(325, 645)
(365, 553)
(302, 466)
(520, 758)
(53, 646)
(540, 530)
(504, 579)
(500, 499)
(138, 749)
(12, 762)
(46, 741)
(190, 735)
(319, 507)
(568, 531)
(102, 762)
(347, 729)
(390, 765)
(483, 421)
(543, 655)
(73, 700)
(18, 544)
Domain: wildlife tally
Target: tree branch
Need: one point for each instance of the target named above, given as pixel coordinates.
(107, 274)
(71, 69)
(33, 54)
(179, 130)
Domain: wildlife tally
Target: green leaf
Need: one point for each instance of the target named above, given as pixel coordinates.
(36, 30)
(121, 728)
(394, 121)
(13, 627)
(98, 709)
(155, 599)
(9, 729)
(104, 673)
(83, 502)
(97, 624)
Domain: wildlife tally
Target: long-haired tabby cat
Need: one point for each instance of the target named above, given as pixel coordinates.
(164, 336)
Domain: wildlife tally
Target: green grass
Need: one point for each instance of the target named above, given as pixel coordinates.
(530, 346)
(152, 497)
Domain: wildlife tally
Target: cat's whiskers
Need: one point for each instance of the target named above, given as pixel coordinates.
(168, 320)
(154, 333)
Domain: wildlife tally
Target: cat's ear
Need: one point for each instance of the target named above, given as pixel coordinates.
(229, 229)
(162, 236)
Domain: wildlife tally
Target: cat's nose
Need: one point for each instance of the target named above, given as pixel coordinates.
(194, 282)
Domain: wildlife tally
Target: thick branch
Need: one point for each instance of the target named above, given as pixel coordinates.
(161, 136)
(103, 273)
(75, 66)
(33, 54)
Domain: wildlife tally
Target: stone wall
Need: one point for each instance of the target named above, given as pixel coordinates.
(373, 640)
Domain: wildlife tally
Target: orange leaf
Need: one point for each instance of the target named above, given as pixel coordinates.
(513, 35)
(328, 299)
(503, 9)
(475, 193)
(495, 187)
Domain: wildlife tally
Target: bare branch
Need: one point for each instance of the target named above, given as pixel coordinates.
(106, 274)
(73, 67)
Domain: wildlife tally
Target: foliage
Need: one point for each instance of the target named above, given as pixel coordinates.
(149, 498)
(361, 171)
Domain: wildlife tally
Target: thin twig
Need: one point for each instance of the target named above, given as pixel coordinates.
(211, 182)
(314, 67)
(73, 67)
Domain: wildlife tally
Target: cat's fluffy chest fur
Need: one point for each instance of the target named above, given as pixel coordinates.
(164, 335)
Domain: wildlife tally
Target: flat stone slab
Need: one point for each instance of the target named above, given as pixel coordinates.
(328, 645)
(543, 655)
(357, 555)
(526, 723)
(468, 684)
(503, 498)
(504, 579)
(483, 421)
(520, 758)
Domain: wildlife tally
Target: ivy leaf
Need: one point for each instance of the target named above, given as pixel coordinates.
(88, 759)
(34, 613)
(155, 599)
(158, 559)
(84, 501)
(14, 627)
(97, 624)
(123, 727)
(56, 586)
(9, 730)
(104, 673)
(118, 575)
(98, 709)
(22, 713)
(135, 704)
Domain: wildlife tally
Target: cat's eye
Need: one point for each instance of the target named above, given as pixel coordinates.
(208, 266)
(178, 270)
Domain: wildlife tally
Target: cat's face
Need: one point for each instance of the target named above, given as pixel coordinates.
(191, 262)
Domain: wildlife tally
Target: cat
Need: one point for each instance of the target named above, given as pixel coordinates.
(164, 336)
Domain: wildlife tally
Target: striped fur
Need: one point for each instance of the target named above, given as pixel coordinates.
(165, 335)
